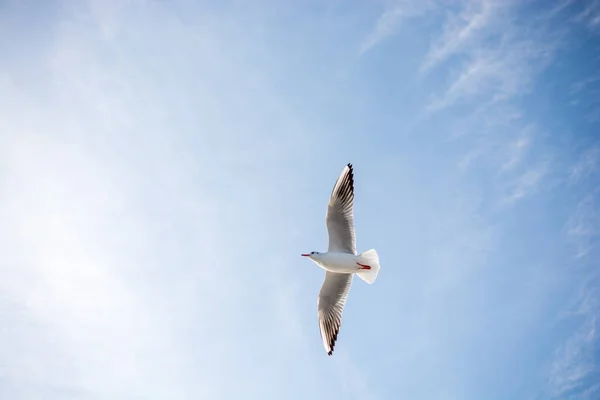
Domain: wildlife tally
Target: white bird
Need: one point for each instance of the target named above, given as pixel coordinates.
(340, 262)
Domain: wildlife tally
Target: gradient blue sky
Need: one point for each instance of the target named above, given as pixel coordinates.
(164, 163)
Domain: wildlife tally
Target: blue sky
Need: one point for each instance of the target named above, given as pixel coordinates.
(164, 163)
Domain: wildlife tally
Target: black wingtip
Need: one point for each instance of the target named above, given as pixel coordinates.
(333, 340)
(351, 173)
(351, 170)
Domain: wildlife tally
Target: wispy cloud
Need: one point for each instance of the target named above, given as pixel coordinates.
(472, 25)
(574, 366)
(590, 15)
(490, 57)
(391, 19)
(583, 84)
(585, 94)
(583, 225)
(574, 371)
(498, 57)
(516, 151)
(504, 154)
(496, 54)
(587, 165)
(494, 63)
(495, 74)
(523, 185)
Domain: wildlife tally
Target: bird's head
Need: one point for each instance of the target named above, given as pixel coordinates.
(311, 254)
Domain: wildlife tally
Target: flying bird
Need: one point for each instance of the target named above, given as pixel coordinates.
(340, 262)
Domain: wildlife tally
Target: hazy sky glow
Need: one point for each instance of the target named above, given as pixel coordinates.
(164, 163)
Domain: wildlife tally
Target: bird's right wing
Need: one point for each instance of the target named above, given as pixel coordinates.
(330, 305)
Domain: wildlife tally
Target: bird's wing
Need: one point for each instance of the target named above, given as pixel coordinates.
(330, 305)
(340, 219)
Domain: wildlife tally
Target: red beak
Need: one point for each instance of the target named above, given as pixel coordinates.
(305, 255)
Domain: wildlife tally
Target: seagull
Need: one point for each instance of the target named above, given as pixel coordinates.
(340, 262)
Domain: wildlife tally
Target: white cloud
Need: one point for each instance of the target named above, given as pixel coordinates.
(513, 152)
(574, 361)
(388, 23)
(516, 151)
(574, 370)
(581, 85)
(582, 227)
(498, 58)
(525, 184)
(472, 25)
(491, 55)
(585, 94)
(494, 62)
(590, 15)
(587, 165)
(497, 74)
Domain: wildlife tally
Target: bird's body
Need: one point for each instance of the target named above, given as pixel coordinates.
(348, 263)
(337, 262)
(340, 261)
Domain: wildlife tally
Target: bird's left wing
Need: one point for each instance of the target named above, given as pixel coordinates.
(340, 218)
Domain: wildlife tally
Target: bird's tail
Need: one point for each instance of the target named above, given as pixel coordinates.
(369, 258)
